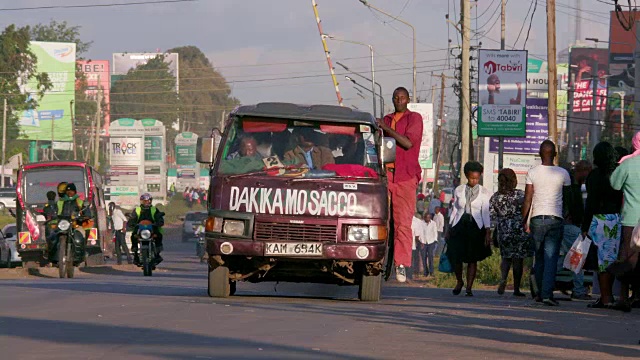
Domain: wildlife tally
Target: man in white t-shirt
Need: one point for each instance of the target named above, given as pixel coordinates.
(546, 196)
(438, 218)
(417, 235)
(429, 244)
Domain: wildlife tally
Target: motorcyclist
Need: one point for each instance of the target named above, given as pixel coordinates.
(146, 211)
(69, 206)
(50, 212)
(62, 189)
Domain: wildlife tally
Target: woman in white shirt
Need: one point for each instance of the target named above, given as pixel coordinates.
(468, 239)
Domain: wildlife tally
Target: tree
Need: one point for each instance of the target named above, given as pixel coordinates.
(19, 66)
(60, 32)
(148, 91)
(204, 92)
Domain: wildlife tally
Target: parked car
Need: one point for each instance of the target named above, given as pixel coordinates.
(8, 198)
(190, 219)
(9, 255)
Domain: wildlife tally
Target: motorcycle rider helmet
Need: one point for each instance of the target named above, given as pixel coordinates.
(146, 199)
(62, 189)
(72, 187)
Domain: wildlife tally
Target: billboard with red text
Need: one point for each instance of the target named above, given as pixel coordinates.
(97, 75)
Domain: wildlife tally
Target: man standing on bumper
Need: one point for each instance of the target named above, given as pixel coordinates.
(406, 128)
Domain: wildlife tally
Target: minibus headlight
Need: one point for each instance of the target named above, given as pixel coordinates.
(366, 233)
(233, 227)
(213, 224)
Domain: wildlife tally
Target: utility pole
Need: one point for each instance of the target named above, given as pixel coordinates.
(326, 51)
(52, 154)
(465, 105)
(552, 72)
(502, 41)
(4, 140)
(439, 138)
(73, 131)
(595, 121)
(96, 152)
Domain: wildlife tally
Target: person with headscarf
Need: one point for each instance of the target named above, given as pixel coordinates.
(469, 238)
(636, 148)
(506, 213)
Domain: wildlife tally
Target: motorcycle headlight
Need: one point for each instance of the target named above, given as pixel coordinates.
(233, 227)
(145, 234)
(64, 225)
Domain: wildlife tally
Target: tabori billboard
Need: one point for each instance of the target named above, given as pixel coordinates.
(537, 130)
(425, 158)
(58, 60)
(123, 62)
(97, 76)
(502, 92)
(587, 64)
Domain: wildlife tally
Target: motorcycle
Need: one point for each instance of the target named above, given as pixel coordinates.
(147, 246)
(70, 246)
(200, 244)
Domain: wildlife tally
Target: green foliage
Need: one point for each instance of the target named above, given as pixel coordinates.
(204, 92)
(148, 91)
(60, 32)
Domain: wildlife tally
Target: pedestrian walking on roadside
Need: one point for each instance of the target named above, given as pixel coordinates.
(119, 220)
(573, 221)
(468, 238)
(602, 220)
(626, 177)
(547, 191)
(438, 218)
(429, 245)
(513, 241)
(421, 204)
(418, 228)
(405, 127)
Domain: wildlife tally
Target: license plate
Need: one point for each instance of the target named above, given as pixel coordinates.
(293, 249)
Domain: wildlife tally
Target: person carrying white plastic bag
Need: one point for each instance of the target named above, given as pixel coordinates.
(577, 255)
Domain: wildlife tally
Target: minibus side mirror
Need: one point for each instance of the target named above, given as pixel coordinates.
(388, 150)
(206, 149)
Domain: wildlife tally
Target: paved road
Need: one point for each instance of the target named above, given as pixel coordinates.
(114, 312)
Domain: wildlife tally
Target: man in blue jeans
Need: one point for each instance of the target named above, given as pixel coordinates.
(546, 188)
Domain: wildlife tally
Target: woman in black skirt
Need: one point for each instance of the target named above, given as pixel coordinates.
(469, 238)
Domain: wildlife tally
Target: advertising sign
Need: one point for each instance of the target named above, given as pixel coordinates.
(153, 148)
(123, 62)
(58, 60)
(186, 148)
(621, 66)
(426, 146)
(537, 130)
(502, 87)
(126, 151)
(97, 76)
(584, 64)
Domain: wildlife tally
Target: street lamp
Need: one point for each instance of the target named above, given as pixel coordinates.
(356, 83)
(373, 74)
(365, 3)
(366, 78)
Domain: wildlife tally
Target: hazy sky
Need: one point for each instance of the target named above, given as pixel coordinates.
(271, 50)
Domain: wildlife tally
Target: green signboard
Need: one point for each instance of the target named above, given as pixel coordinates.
(153, 148)
(186, 155)
(58, 60)
(534, 65)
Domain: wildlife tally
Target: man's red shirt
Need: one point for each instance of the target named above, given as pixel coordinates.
(406, 165)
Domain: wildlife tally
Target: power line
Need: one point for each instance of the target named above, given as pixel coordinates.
(523, 23)
(530, 22)
(97, 5)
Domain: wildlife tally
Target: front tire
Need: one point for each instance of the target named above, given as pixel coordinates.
(370, 287)
(219, 284)
(62, 256)
(147, 270)
(69, 265)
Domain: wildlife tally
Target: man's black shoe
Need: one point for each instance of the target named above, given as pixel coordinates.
(158, 260)
(136, 260)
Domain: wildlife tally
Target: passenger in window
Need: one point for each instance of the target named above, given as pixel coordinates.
(264, 144)
(248, 148)
(307, 152)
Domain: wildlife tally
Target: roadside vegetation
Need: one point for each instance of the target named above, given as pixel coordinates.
(177, 208)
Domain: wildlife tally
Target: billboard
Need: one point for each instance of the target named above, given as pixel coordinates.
(155, 167)
(123, 62)
(585, 63)
(537, 130)
(622, 45)
(425, 158)
(97, 74)
(502, 92)
(52, 118)
(126, 151)
(186, 160)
